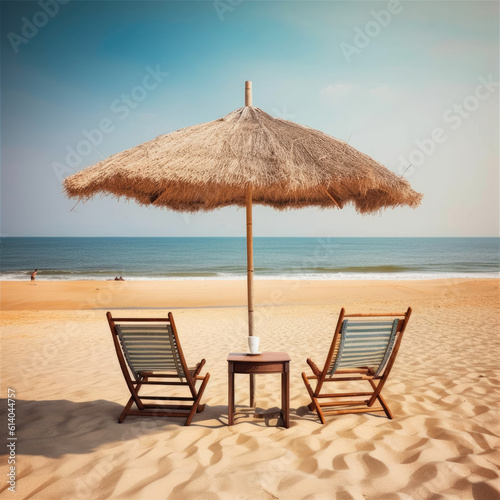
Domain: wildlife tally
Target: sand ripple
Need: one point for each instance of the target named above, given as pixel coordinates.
(444, 392)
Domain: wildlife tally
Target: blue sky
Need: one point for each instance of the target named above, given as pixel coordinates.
(402, 81)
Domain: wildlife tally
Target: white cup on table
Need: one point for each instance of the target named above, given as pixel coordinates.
(253, 344)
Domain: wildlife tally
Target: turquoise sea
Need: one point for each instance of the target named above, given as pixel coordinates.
(225, 258)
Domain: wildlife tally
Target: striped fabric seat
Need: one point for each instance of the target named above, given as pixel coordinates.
(364, 344)
(363, 348)
(150, 348)
(149, 351)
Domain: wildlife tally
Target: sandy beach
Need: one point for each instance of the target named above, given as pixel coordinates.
(444, 391)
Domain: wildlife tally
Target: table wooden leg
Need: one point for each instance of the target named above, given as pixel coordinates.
(230, 397)
(285, 396)
(252, 390)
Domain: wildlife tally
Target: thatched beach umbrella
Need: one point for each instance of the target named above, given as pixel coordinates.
(243, 158)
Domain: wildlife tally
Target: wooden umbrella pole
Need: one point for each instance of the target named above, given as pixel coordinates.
(250, 283)
(249, 260)
(248, 102)
(248, 94)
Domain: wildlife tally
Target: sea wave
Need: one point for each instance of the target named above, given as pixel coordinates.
(292, 276)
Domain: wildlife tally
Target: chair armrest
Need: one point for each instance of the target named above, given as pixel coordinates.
(198, 368)
(314, 368)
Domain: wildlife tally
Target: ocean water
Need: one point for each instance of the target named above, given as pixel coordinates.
(225, 258)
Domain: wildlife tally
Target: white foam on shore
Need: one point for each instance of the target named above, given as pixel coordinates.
(291, 277)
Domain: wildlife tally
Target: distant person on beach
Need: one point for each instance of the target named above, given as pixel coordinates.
(33, 274)
(120, 279)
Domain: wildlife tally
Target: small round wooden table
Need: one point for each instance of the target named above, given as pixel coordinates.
(267, 362)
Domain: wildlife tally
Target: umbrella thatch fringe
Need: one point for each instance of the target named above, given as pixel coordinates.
(209, 166)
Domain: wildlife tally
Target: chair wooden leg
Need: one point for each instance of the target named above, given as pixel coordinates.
(385, 407)
(315, 405)
(134, 398)
(197, 401)
(125, 410)
(320, 412)
(382, 402)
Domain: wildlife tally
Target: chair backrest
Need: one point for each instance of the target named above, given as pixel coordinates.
(364, 343)
(150, 347)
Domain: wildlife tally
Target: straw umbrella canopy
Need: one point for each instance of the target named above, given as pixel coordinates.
(246, 157)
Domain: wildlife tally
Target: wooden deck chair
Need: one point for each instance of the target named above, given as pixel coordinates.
(364, 347)
(149, 348)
